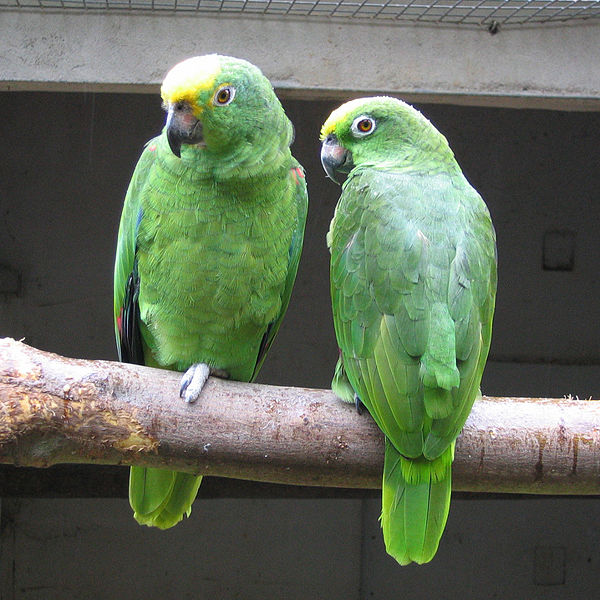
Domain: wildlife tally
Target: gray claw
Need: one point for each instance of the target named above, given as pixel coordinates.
(359, 405)
(193, 381)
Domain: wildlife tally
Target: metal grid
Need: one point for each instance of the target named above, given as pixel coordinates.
(490, 13)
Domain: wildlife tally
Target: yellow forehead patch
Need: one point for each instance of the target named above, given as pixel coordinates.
(338, 115)
(362, 106)
(190, 77)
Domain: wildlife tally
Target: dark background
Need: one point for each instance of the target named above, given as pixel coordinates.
(65, 163)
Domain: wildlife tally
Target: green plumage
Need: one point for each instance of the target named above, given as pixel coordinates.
(213, 238)
(413, 283)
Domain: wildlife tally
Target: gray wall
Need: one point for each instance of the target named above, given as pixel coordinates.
(66, 161)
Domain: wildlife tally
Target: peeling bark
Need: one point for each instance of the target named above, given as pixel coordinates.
(57, 410)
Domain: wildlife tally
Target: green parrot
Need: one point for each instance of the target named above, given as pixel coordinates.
(413, 286)
(209, 244)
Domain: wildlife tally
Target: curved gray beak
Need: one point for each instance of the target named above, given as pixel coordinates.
(335, 158)
(182, 127)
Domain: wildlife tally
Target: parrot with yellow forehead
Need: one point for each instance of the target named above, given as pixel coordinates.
(413, 286)
(209, 243)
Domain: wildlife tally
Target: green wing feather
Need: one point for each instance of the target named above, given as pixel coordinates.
(413, 279)
(126, 242)
(300, 194)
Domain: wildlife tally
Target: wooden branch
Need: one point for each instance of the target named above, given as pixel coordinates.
(60, 410)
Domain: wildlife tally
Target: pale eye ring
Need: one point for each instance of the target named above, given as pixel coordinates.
(363, 125)
(224, 95)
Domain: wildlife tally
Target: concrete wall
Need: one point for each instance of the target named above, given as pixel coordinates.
(552, 66)
(66, 161)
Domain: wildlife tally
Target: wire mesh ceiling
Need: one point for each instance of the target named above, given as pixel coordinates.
(491, 13)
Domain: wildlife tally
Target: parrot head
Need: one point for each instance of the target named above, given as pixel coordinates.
(379, 131)
(219, 105)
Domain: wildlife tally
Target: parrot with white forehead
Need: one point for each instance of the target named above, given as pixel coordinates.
(209, 243)
(413, 287)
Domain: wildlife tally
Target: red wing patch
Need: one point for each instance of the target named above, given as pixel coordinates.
(297, 174)
(120, 322)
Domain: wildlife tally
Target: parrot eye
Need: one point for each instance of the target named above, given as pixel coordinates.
(362, 126)
(224, 95)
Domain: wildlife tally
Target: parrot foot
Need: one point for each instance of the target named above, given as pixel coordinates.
(193, 381)
(359, 405)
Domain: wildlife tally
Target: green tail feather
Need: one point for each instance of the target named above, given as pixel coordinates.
(414, 513)
(161, 498)
(340, 384)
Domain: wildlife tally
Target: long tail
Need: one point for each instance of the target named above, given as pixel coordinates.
(161, 498)
(415, 503)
